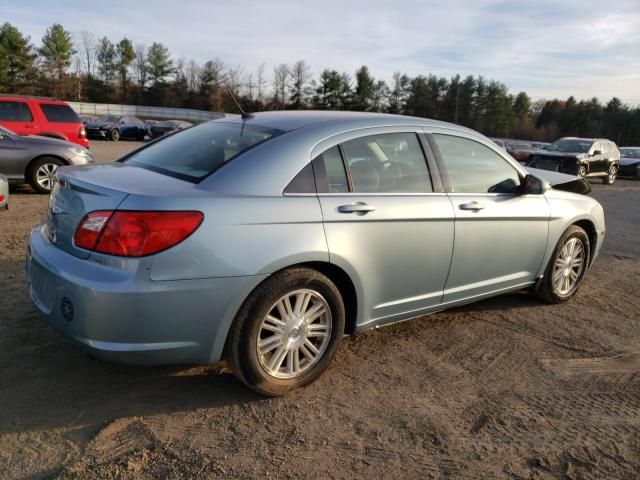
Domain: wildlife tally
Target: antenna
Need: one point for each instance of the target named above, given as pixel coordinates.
(243, 114)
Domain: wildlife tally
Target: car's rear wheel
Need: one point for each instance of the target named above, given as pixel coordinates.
(611, 175)
(567, 267)
(287, 332)
(638, 172)
(114, 134)
(41, 174)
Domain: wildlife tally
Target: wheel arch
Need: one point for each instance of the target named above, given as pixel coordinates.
(589, 227)
(27, 170)
(59, 136)
(335, 273)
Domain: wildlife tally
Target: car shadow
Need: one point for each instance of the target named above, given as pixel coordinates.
(48, 382)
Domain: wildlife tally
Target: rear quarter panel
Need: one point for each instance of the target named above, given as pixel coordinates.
(240, 235)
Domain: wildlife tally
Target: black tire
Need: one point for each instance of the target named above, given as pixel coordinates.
(114, 134)
(242, 354)
(612, 172)
(546, 289)
(638, 173)
(32, 175)
(582, 171)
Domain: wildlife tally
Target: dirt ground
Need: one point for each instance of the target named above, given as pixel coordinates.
(506, 388)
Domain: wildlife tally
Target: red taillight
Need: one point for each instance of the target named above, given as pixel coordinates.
(1, 198)
(135, 234)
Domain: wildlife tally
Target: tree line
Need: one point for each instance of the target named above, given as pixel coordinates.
(83, 67)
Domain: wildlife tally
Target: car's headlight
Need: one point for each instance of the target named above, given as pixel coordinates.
(80, 152)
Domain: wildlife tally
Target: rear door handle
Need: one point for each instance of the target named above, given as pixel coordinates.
(359, 208)
(473, 206)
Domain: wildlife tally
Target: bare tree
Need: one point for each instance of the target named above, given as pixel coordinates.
(193, 76)
(141, 67)
(261, 82)
(234, 79)
(280, 79)
(87, 46)
(250, 85)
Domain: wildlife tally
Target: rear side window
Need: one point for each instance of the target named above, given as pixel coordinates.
(387, 163)
(59, 113)
(14, 112)
(194, 153)
(475, 168)
(330, 174)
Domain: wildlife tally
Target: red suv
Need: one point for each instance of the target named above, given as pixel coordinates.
(37, 116)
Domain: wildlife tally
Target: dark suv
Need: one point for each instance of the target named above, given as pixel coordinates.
(584, 157)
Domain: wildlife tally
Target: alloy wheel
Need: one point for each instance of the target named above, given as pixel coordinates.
(568, 266)
(45, 175)
(613, 171)
(294, 334)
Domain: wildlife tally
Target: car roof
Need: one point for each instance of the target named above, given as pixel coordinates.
(288, 120)
(588, 139)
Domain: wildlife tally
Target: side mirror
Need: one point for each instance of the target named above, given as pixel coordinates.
(596, 152)
(533, 186)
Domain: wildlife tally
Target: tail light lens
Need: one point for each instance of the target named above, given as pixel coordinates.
(135, 233)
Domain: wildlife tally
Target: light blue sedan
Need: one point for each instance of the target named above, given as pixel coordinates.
(263, 239)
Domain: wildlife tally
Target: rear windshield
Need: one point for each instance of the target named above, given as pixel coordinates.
(59, 113)
(194, 153)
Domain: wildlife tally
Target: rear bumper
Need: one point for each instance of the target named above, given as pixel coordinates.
(120, 315)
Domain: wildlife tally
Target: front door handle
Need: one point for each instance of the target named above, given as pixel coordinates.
(359, 208)
(473, 206)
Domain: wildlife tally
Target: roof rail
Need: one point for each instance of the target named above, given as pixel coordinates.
(14, 95)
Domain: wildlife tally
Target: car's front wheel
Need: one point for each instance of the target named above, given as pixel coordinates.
(567, 267)
(582, 171)
(611, 175)
(287, 332)
(115, 134)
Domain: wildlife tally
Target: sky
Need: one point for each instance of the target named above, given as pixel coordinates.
(550, 49)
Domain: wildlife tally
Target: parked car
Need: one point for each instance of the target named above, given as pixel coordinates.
(264, 239)
(88, 119)
(540, 145)
(34, 159)
(159, 128)
(4, 193)
(500, 142)
(520, 151)
(113, 127)
(585, 157)
(39, 116)
(629, 162)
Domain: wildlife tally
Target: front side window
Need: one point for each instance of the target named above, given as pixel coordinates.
(194, 153)
(387, 163)
(59, 113)
(475, 168)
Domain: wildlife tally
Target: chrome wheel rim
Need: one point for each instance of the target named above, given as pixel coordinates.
(115, 135)
(612, 173)
(294, 334)
(582, 172)
(569, 266)
(45, 175)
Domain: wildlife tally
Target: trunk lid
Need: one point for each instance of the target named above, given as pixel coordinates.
(80, 190)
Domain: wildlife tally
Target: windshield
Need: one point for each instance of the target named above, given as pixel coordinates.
(195, 152)
(630, 152)
(571, 145)
(108, 118)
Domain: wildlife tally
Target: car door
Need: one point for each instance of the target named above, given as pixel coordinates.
(385, 223)
(8, 156)
(597, 158)
(500, 234)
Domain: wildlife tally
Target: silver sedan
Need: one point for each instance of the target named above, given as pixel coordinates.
(263, 239)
